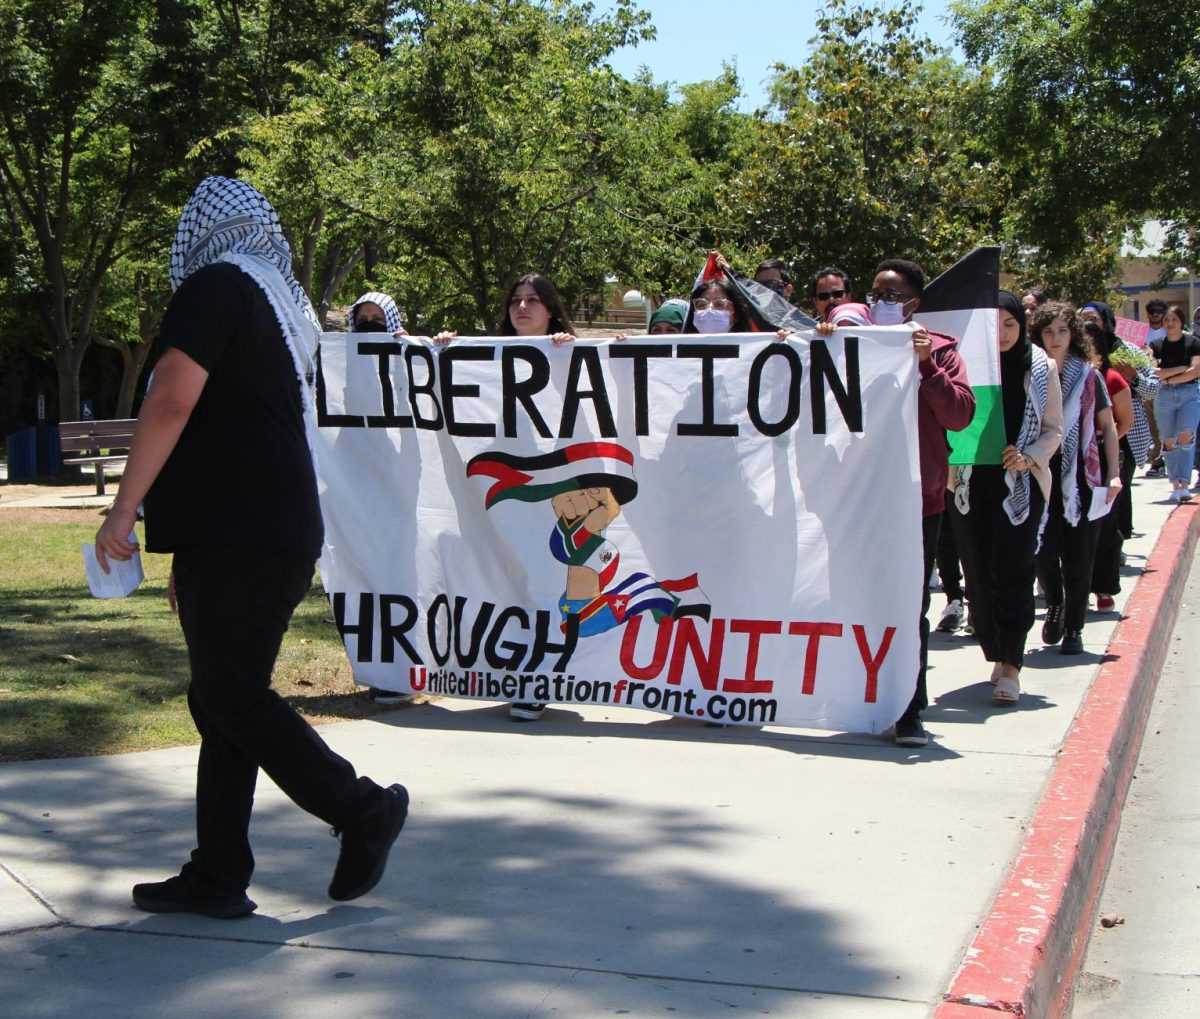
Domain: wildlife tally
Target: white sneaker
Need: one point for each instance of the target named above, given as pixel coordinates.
(952, 617)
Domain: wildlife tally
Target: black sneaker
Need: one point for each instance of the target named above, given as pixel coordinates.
(525, 712)
(1072, 643)
(911, 733)
(1052, 628)
(388, 696)
(180, 894)
(365, 847)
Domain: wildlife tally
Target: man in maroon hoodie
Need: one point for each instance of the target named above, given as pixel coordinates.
(945, 403)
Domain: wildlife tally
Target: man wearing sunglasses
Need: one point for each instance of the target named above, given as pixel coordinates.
(773, 274)
(829, 288)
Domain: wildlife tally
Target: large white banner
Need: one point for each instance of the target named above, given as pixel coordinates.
(723, 528)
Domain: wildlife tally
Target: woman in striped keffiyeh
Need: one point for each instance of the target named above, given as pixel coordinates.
(1064, 561)
(999, 508)
(375, 313)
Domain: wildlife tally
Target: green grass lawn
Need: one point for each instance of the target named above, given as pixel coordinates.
(81, 675)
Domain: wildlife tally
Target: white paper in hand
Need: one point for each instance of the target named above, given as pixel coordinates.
(1100, 504)
(123, 576)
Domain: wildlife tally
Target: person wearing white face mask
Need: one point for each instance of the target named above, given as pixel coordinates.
(945, 403)
(716, 308)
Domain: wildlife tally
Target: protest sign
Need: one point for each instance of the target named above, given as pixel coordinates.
(724, 528)
(1133, 331)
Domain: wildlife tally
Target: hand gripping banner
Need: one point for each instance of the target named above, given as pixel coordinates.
(722, 528)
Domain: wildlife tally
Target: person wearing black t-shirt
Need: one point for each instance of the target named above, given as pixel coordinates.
(221, 459)
(1177, 404)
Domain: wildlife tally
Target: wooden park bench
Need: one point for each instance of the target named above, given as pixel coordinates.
(101, 443)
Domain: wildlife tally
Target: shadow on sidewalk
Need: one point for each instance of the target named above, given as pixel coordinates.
(562, 720)
(510, 889)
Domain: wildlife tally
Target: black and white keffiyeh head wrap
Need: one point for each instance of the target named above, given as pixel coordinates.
(227, 220)
(391, 314)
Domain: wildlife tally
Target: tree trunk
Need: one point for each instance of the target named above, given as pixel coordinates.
(68, 357)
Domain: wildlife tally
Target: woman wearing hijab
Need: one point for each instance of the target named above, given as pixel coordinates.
(234, 377)
(1087, 457)
(669, 318)
(1177, 405)
(998, 508)
(375, 313)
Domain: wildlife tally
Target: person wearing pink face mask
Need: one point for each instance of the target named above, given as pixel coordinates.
(716, 308)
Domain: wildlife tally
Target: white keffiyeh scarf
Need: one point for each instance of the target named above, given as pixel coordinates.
(1079, 416)
(227, 220)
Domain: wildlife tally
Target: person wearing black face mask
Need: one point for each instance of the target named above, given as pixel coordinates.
(375, 313)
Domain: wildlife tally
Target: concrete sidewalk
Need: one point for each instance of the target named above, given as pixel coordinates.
(602, 861)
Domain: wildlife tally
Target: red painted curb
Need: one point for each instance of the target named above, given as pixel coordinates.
(1028, 950)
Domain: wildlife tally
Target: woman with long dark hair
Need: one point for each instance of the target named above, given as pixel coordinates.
(531, 307)
(998, 507)
(716, 307)
(1064, 561)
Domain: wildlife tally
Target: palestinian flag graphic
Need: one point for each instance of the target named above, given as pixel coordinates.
(962, 303)
(545, 475)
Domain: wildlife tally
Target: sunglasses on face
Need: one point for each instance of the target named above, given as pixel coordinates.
(830, 295)
(776, 285)
(370, 325)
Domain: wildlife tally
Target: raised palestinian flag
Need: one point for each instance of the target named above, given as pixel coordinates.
(545, 475)
(962, 303)
(769, 311)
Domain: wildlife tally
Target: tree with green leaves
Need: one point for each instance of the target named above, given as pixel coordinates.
(512, 147)
(1087, 107)
(109, 112)
(866, 153)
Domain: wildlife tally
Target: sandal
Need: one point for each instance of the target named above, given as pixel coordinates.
(997, 672)
(1008, 690)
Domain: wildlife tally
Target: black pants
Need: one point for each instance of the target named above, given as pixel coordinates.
(1106, 569)
(997, 558)
(947, 558)
(234, 606)
(930, 526)
(1064, 562)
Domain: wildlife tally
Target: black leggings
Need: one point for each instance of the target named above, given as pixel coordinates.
(1064, 562)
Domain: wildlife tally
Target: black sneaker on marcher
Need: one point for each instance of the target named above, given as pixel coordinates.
(525, 712)
(1052, 628)
(365, 847)
(1072, 643)
(911, 733)
(180, 894)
